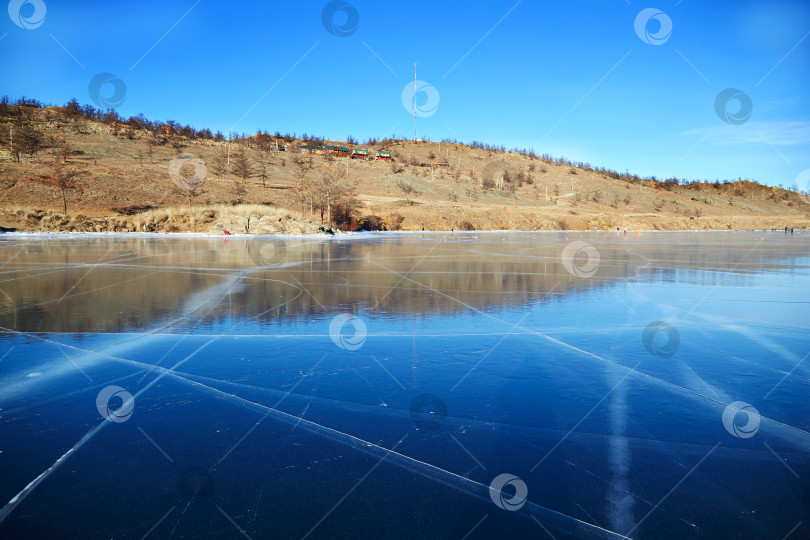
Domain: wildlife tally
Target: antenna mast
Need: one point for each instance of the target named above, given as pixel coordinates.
(414, 102)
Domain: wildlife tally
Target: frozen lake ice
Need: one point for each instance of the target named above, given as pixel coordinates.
(405, 385)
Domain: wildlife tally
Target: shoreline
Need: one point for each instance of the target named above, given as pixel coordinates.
(189, 234)
(253, 220)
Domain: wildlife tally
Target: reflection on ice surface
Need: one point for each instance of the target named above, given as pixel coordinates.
(644, 386)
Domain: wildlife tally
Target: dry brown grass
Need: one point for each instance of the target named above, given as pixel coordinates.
(125, 176)
(169, 219)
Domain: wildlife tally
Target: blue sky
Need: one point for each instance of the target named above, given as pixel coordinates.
(571, 78)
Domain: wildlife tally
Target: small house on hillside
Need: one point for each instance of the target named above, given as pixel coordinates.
(383, 155)
(305, 149)
(166, 130)
(338, 151)
(359, 153)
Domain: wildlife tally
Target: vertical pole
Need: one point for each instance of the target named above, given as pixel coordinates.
(414, 101)
(229, 153)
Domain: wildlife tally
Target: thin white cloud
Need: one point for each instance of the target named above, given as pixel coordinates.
(781, 133)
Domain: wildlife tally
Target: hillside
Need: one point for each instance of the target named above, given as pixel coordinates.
(125, 176)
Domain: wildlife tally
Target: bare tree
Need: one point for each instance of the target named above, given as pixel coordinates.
(152, 142)
(303, 189)
(220, 164)
(27, 139)
(262, 172)
(264, 143)
(64, 146)
(243, 170)
(62, 177)
(406, 189)
(191, 185)
(457, 175)
(327, 186)
(332, 187)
